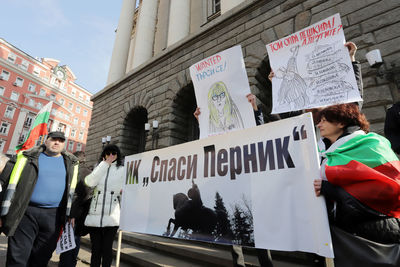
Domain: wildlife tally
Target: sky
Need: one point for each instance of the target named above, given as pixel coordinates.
(78, 33)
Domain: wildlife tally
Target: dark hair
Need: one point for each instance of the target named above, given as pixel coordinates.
(80, 155)
(347, 114)
(111, 148)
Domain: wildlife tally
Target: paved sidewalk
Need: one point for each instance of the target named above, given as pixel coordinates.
(83, 256)
(3, 250)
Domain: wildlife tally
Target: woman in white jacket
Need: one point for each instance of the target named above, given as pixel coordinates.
(103, 218)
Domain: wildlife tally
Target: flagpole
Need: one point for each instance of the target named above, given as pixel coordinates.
(41, 141)
(117, 260)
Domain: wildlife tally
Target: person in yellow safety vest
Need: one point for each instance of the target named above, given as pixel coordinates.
(38, 187)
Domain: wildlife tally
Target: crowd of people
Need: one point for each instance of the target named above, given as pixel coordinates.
(44, 187)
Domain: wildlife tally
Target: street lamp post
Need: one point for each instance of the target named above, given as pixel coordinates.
(105, 140)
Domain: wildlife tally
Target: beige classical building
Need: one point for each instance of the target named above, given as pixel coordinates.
(158, 40)
(149, 81)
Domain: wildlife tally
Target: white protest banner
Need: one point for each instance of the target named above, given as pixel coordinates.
(67, 239)
(312, 68)
(221, 85)
(252, 187)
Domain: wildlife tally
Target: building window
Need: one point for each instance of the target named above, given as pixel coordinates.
(36, 71)
(80, 96)
(78, 147)
(12, 57)
(2, 144)
(75, 121)
(42, 92)
(5, 126)
(83, 124)
(31, 87)
(73, 132)
(24, 64)
(31, 102)
(70, 105)
(39, 140)
(49, 125)
(28, 121)
(80, 135)
(213, 8)
(61, 101)
(78, 109)
(64, 87)
(52, 97)
(9, 113)
(2, 89)
(85, 113)
(73, 92)
(14, 96)
(39, 105)
(54, 112)
(70, 145)
(61, 127)
(66, 117)
(5, 75)
(19, 82)
(23, 136)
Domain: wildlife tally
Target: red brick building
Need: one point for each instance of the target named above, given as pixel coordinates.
(26, 85)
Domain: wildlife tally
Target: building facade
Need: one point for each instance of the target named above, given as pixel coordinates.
(26, 85)
(157, 41)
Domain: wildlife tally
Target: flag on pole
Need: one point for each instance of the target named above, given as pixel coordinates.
(39, 127)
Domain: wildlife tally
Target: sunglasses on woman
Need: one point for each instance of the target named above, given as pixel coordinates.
(111, 153)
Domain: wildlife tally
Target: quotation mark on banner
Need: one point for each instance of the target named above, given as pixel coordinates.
(145, 181)
(297, 134)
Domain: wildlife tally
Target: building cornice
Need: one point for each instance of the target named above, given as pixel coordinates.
(11, 47)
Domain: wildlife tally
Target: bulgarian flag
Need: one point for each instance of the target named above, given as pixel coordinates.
(39, 128)
(366, 167)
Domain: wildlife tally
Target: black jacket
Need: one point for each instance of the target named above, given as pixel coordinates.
(26, 185)
(349, 214)
(354, 217)
(392, 126)
(81, 203)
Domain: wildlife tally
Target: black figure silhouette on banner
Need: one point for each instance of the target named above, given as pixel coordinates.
(191, 214)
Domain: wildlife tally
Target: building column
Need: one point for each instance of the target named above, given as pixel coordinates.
(197, 14)
(122, 41)
(17, 131)
(179, 20)
(161, 35)
(130, 54)
(145, 30)
(227, 5)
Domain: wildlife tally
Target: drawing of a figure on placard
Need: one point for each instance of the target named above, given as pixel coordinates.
(293, 90)
(224, 114)
(326, 73)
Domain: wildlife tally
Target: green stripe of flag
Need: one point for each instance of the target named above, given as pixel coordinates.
(370, 149)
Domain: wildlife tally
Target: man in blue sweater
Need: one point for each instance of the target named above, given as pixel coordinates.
(39, 185)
